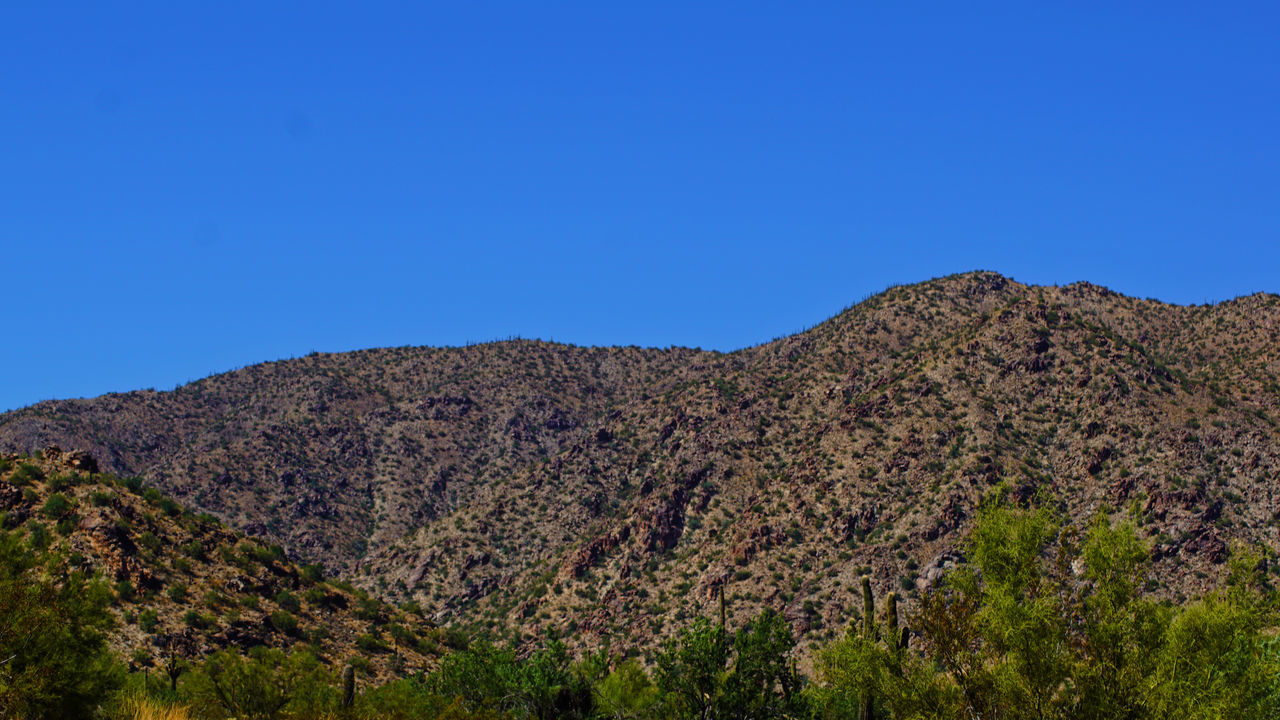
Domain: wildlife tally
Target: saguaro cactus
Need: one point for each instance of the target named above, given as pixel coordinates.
(868, 609)
(895, 639)
(348, 686)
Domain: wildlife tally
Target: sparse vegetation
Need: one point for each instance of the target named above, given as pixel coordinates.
(505, 488)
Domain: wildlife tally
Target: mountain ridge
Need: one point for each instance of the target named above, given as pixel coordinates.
(616, 490)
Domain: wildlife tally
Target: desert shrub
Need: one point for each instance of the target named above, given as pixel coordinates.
(312, 573)
(628, 692)
(56, 506)
(288, 601)
(285, 622)
(37, 535)
(148, 620)
(314, 596)
(125, 591)
(368, 608)
(484, 678)
(194, 619)
(149, 541)
(195, 550)
(370, 644)
(261, 685)
(26, 474)
(404, 699)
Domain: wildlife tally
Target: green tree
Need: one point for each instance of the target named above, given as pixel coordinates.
(763, 682)
(478, 677)
(542, 685)
(751, 675)
(1120, 632)
(54, 660)
(627, 693)
(262, 685)
(693, 666)
(1042, 625)
(547, 688)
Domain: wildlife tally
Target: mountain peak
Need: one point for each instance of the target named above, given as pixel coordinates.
(534, 484)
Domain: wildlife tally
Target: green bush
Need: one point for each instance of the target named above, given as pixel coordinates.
(751, 673)
(125, 591)
(312, 573)
(314, 596)
(56, 506)
(26, 474)
(37, 535)
(486, 679)
(263, 684)
(285, 622)
(288, 601)
(370, 644)
(195, 550)
(405, 699)
(194, 619)
(148, 620)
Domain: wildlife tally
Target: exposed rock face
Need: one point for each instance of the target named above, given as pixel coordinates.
(116, 550)
(937, 569)
(579, 562)
(660, 530)
(10, 497)
(82, 461)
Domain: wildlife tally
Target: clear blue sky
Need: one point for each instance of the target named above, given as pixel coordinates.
(190, 190)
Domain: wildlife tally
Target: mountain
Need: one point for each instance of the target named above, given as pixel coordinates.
(184, 585)
(614, 492)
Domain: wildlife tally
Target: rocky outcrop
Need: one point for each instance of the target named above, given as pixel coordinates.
(583, 559)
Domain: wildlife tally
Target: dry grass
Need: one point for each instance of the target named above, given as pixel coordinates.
(138, 707)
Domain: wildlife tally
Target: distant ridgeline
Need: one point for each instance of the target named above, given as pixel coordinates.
(116, 602)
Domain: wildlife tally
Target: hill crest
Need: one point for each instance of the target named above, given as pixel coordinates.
(614, 490)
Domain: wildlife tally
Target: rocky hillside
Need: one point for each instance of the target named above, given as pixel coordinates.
(615, 491)
(184, 585)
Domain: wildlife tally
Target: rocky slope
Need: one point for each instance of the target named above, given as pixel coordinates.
(615, 491)
(185, 585)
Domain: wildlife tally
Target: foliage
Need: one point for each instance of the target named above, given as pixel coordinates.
(544, 685)
(1046, 620)
(750, 676)
(1043, 626)
(56, 506)
(54, 660)
(627, 693)
(261, 685)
